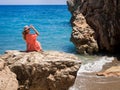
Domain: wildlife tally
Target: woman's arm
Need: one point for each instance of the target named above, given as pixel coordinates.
(23, 34)
(31, 26)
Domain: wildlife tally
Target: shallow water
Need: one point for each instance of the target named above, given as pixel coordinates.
(88, 80)
(92, 82)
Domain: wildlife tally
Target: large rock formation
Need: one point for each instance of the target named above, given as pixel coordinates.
(102, 30)
(8, 79)
(48, 70)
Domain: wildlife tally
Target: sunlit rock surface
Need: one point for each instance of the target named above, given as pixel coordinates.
(49, 70)
(8, 79)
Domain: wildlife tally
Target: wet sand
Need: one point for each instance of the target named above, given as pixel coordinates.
(90, 81)
(93, 82)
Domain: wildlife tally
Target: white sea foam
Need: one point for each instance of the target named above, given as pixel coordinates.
(73, 88)
(96, 65)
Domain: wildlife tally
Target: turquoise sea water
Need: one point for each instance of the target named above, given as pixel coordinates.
(52, 21)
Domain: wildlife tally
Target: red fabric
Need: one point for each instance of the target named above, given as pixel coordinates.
(32, 43)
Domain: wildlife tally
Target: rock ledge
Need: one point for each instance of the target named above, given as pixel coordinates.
(49, 70)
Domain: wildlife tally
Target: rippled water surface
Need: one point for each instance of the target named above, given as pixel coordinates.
(52, 21)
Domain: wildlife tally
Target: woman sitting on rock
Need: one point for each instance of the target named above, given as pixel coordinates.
(31, 39)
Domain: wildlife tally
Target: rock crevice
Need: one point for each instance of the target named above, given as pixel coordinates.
(49, 70)
(102, 17)
(8, 79)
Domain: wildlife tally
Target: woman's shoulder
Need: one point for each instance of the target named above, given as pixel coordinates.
(32, 35)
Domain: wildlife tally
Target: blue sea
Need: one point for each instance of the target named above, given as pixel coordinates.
(52, 22)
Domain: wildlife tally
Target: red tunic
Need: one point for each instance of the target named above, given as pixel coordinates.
(32, 43)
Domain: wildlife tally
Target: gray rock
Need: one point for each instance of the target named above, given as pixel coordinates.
(49, 70)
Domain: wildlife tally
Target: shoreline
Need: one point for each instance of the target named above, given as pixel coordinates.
(84, 81)
(96, 81)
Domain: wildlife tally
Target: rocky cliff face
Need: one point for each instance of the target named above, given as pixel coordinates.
(96, 25)
(49, 70)
(8, 79)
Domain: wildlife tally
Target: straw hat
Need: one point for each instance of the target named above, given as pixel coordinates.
(26, 27)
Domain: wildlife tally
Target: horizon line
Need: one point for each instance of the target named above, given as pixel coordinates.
(33, 4)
